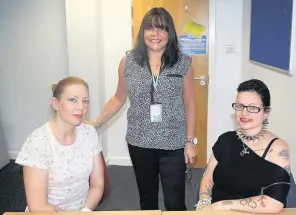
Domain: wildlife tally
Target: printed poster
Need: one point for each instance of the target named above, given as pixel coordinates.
(192, 45)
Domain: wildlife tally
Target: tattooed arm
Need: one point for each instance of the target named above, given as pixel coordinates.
(206, 183)
(261, 204)
(257, 204)
(281, 155)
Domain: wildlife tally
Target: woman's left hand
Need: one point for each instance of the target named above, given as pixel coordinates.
(190, 153)
(207, 208)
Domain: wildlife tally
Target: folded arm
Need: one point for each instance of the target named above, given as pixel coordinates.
(265, 203)
(256, 204)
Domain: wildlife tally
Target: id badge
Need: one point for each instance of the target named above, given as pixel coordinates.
(156, 112)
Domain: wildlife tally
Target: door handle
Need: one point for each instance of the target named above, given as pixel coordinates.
(202, 80)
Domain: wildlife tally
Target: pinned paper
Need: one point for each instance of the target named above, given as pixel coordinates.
(194, 29)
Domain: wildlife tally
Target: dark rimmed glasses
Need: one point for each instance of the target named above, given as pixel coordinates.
(250, 109)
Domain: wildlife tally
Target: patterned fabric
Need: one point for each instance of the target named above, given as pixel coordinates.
(170, 134)
(69, 167)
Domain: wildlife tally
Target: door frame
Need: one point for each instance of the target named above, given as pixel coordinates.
(211, 72)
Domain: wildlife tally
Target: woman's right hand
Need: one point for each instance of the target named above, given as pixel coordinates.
(90, 122)
(115, 103)
(94, 123)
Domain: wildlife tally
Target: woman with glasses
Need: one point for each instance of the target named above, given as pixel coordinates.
(249, 169)
(158, 80)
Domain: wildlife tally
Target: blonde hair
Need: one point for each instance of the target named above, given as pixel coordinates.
(59, 88)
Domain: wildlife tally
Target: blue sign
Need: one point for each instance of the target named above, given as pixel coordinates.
(192, 45)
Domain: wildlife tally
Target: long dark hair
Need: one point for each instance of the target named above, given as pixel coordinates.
(160, 18)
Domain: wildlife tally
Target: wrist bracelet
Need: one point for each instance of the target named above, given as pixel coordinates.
(86, 209)
(202, 202)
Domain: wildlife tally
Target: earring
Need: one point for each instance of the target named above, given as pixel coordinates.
(265, 123)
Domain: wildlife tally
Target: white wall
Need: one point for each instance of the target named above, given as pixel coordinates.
(85, 43)
(91, 42)
(44, 41)
(117, 34)
(282, 88)
(225, 71)
(33, 55)
(97, 40)
(85, 38)
(225, 68)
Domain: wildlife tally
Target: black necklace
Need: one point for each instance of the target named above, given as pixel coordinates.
(242, 136)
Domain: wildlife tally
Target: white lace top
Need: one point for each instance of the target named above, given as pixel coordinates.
(69, 167)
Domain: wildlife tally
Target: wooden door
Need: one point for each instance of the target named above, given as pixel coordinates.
(182, 12)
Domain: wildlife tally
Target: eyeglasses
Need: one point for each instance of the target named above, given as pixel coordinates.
(250, 109)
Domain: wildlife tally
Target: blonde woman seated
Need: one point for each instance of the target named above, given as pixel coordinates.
(63, 169)
(249, 169)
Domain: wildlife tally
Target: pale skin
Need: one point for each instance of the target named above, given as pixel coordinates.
(96, 181)
(70, 110)
(278, 154)
(156, 41)
(188, 95)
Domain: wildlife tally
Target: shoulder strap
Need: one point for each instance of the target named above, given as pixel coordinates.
(268, 147)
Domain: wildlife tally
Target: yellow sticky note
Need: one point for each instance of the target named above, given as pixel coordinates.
(194, 29)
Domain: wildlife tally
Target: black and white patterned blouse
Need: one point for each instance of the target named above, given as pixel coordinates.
(170, 134)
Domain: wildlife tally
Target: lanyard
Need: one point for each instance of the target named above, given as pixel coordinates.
(154, 81)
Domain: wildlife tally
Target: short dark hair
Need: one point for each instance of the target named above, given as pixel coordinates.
(163, 19)
(255, 85)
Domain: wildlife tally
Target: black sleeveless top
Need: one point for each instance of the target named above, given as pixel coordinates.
(237, 177)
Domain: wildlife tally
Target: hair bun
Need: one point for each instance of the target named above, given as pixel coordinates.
(53, 87)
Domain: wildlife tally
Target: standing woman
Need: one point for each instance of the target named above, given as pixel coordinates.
(158, 79)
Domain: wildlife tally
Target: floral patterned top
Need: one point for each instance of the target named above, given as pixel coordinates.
(69, 167)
